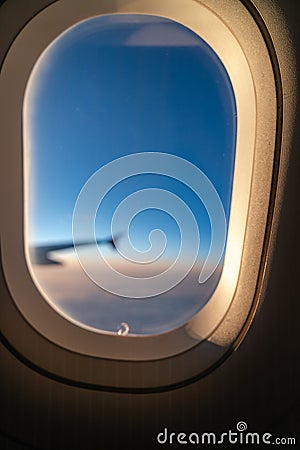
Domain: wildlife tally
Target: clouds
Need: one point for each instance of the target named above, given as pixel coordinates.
(76, 295)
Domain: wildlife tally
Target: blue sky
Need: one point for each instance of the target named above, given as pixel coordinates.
(122, 84)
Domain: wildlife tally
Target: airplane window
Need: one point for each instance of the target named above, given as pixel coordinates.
(129, 141)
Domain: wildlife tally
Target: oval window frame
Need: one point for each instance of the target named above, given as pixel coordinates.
(65, 335)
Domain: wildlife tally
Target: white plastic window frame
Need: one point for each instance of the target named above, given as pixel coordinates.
(254, 89)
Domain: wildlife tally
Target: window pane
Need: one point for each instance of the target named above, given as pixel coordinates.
(111, 106)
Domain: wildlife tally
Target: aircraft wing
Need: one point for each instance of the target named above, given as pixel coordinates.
(39, 254)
